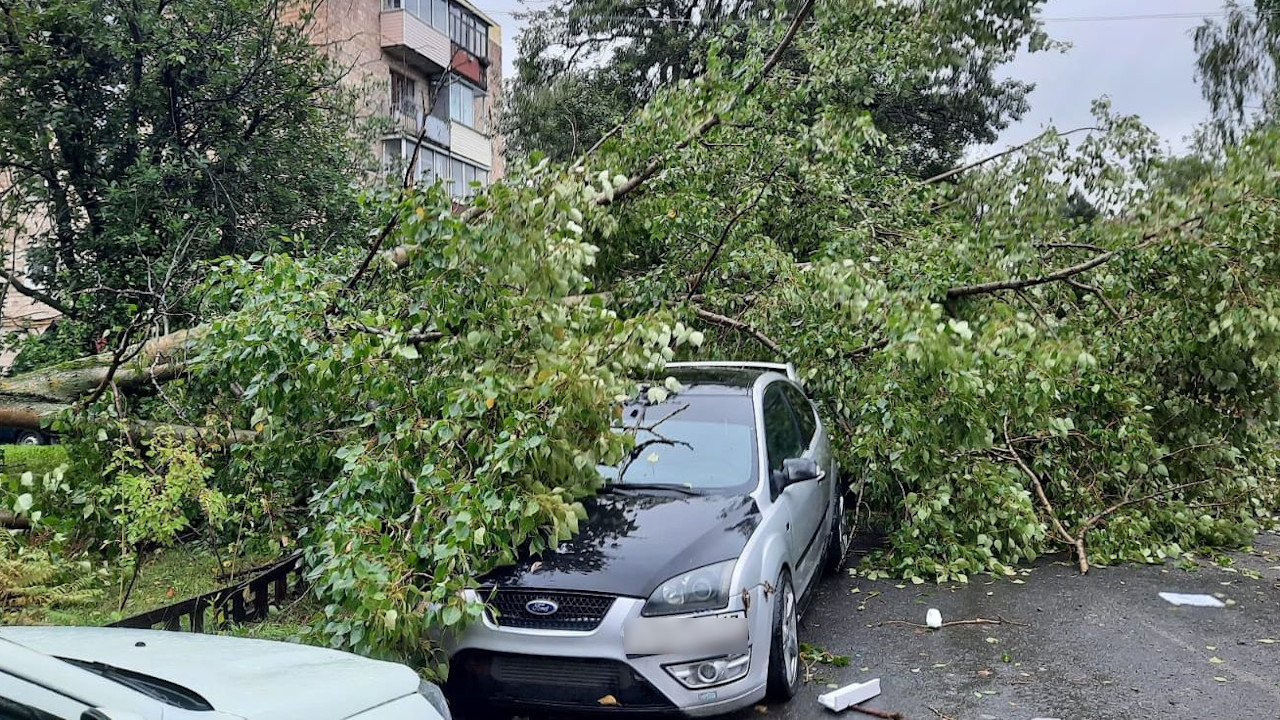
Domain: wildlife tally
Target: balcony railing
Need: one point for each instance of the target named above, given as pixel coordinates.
(428, 49)
(408, 121)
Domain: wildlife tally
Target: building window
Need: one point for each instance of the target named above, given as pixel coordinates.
(457, 174)
(404, 94)
(432, 12)
(468, 32)
(441, 168)
(426, 166)
(433, 166)
(391, 155)
(440, 15)
(463, 102)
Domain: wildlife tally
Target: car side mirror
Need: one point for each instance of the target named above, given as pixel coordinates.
(798, 470)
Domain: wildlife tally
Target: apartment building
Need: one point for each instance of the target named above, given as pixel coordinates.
(432, 68)
(433, 65)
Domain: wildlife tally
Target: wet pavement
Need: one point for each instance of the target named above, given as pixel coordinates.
(1103, 646)
(1098, 647)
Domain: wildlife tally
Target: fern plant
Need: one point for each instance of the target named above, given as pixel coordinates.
(35, 580)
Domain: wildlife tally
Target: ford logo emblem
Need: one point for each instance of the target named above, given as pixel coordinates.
(541, 608)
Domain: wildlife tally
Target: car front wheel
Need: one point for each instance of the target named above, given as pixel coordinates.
(838, 543)
(30, 438)
(784, 651)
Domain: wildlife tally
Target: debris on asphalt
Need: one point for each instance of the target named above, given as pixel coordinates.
(933, 618)
(849, 695)
(1191, 600)
(952, 623)
(887, 715)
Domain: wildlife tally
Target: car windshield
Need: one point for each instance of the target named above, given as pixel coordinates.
(695, 442)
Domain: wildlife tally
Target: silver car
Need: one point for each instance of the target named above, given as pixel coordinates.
(75, 673)
(683, 589)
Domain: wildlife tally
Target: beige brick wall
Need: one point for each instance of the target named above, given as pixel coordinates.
(18, 313)
(495, 97)
(352, 31)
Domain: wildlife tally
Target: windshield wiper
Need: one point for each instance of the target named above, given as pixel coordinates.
(153, 687)
(651, 486)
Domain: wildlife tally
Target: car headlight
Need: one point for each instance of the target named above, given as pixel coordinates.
(435, 697)
(706, 588)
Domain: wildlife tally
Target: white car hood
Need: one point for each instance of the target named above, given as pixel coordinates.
(254, 679)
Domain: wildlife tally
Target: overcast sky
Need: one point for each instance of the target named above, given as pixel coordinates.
(1137, 52)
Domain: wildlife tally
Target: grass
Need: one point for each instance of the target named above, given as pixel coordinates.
(169, 576)
(292, 623)
(35, 459)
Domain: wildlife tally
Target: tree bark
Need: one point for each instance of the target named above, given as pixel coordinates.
(31, 400)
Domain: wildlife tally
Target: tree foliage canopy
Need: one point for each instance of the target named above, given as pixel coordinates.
(585, 65)
(1005, 373)
(1239, 56)
(139, 139)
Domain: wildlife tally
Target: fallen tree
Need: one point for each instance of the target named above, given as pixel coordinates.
(1004, 378)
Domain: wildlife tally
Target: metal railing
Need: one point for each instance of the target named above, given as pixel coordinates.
(246, 601)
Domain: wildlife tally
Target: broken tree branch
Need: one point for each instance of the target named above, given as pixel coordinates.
(887, 715)
(728, 322)
(658, 162)
(728, 228)
(1066, 272)
(979, 163)
(1097, 291)
(1037, 485)
(35, 294)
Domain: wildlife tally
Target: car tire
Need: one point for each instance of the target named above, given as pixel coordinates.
(784, 648)
(29, 437)
(838, 542)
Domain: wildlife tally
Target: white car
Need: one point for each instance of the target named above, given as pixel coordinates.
(79, 673)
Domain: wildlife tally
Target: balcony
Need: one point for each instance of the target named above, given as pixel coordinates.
(408, 122)
(471, 145)
(414, 41)
(470, 67)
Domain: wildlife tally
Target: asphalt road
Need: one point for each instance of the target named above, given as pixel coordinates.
(1102, 646)
(1098, 647)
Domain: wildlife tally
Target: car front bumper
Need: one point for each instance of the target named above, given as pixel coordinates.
(592, 671)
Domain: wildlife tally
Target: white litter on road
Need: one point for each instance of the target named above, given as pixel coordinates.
(849, 695)
(933, 618)
(1192, 600)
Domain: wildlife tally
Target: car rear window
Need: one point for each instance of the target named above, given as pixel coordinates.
(703, 442)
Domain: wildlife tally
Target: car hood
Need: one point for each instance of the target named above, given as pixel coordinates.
(250, 678)
(631, 543)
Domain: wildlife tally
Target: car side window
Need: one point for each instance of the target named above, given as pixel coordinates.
(781, 436)
(805, 417)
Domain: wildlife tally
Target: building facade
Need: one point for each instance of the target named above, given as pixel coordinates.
(431, 68)
(19, 313)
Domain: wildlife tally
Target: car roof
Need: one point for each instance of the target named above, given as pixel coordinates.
(720, 380)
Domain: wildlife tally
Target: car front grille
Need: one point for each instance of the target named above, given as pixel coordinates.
(567, 672)
(574, 611)
(536, 680)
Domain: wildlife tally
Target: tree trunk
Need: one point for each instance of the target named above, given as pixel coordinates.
(32, 399)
